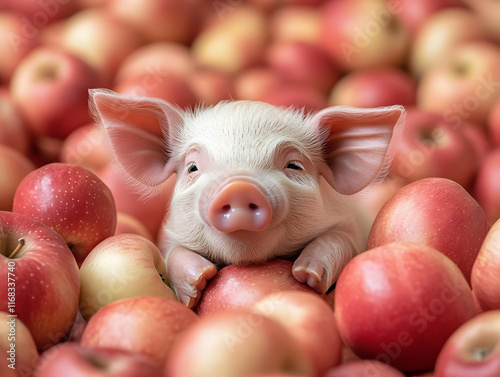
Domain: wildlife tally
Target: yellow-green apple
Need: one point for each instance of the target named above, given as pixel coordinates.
(148, 325)
(473, 349)
(465, 85)
(39, 283)
(159, 20)
(126, 223)
(440, 34)
(487, 11)
(72, 359)
(71, 200)
(253, 83)
(17, 345)
(484, 277)
(13, 131)
(437, 212)
(487, 184)
(303, 63)
(493, 125)
(375, 87)
(364, 368)
(236, 343)
(211, 86)
(310, 321)
(296, 23)
(430, 146)
(50, 88)
(14, 166)
(240, 286)
(399, 303)
(17, 38)
(92, 34)
(121, 266)
(296, 95)
(363, 34)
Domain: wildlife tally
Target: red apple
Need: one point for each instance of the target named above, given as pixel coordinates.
(375, 87)
(147, 325)
(430, 146)
(71, 359)
(473, 349)
(211, 86)
(436, 212)
(479, 139)
(40, 283)
(484, 278)
(399, 303)
(14, 166)
(237, 286)
(296, 95)
(71, 200)
(13, 130)
(254, 83)
(17, 346)
(236, 343)
(121, 266)
(364, 368)
(464, 85)
(493, 124)
(41, 86)
(487, 12)
(487, 184)
(41, 13)
(296, 23)
(363, 34)
(126, 223)
(310, 321)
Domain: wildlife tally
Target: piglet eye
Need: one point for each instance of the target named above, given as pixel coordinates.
(295, 165)
(191, 167)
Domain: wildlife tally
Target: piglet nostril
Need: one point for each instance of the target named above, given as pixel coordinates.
(226, 208)
(253, 206)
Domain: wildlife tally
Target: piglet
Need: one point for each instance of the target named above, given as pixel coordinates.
(254, 181)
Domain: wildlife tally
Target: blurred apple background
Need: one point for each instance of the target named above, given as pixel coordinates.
(438, 58)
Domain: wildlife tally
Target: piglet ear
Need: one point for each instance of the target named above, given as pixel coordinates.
(358, 145)
(142, 154)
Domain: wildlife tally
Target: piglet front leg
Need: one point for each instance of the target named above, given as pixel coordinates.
(188, 273)
(320, 263)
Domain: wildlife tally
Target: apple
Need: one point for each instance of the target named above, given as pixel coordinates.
(92, 35)
(17, 345)
(375, 87)
(296, 23)
(399, 303)
(71, 200)
(240, 286)
(236, 343)
(473, 349)
(211, 86)
(487, 11)
(40, 283)
(493, 124)
(484, 280)
(299, 96)
(303, 63)
(148, 325)
(430, 146)
(42, 13)
(13, 130)
(363, 34)
(437, 212)
(40, 87)
(310, 321)
(14, 167)
(254, 83)
(442, 33)
(126, 223)
(487, 184)
(479, 139)
(121, 266)
(71, 359)
(464, 85)
(364, 368)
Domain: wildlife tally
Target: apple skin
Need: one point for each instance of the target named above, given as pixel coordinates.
(436, 212)
(40, 87)
(430, 146)
(493, 125)
(14, 167)
(46, 299)
(364, 368)
(14, 331)
(487, 12)
(121, 266)
(473, 349)
(71, 359)
(71, 200)
(487, 184)
(399, 303)
(240, 286)
(296, 95)
(375, 87)
(296, 23)
(311, 323)
(211, 86)
(236, 342)
(126, 223)
(13, 130)
(484, 278)
(147, 325)
(254, 83)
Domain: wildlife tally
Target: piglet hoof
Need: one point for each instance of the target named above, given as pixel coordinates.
(310, 272)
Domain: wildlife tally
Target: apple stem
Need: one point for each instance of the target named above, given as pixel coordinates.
(18, 248)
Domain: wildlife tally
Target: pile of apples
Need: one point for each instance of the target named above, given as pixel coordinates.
(83, 285)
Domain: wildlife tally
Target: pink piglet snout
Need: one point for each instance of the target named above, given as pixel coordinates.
(239, 205)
